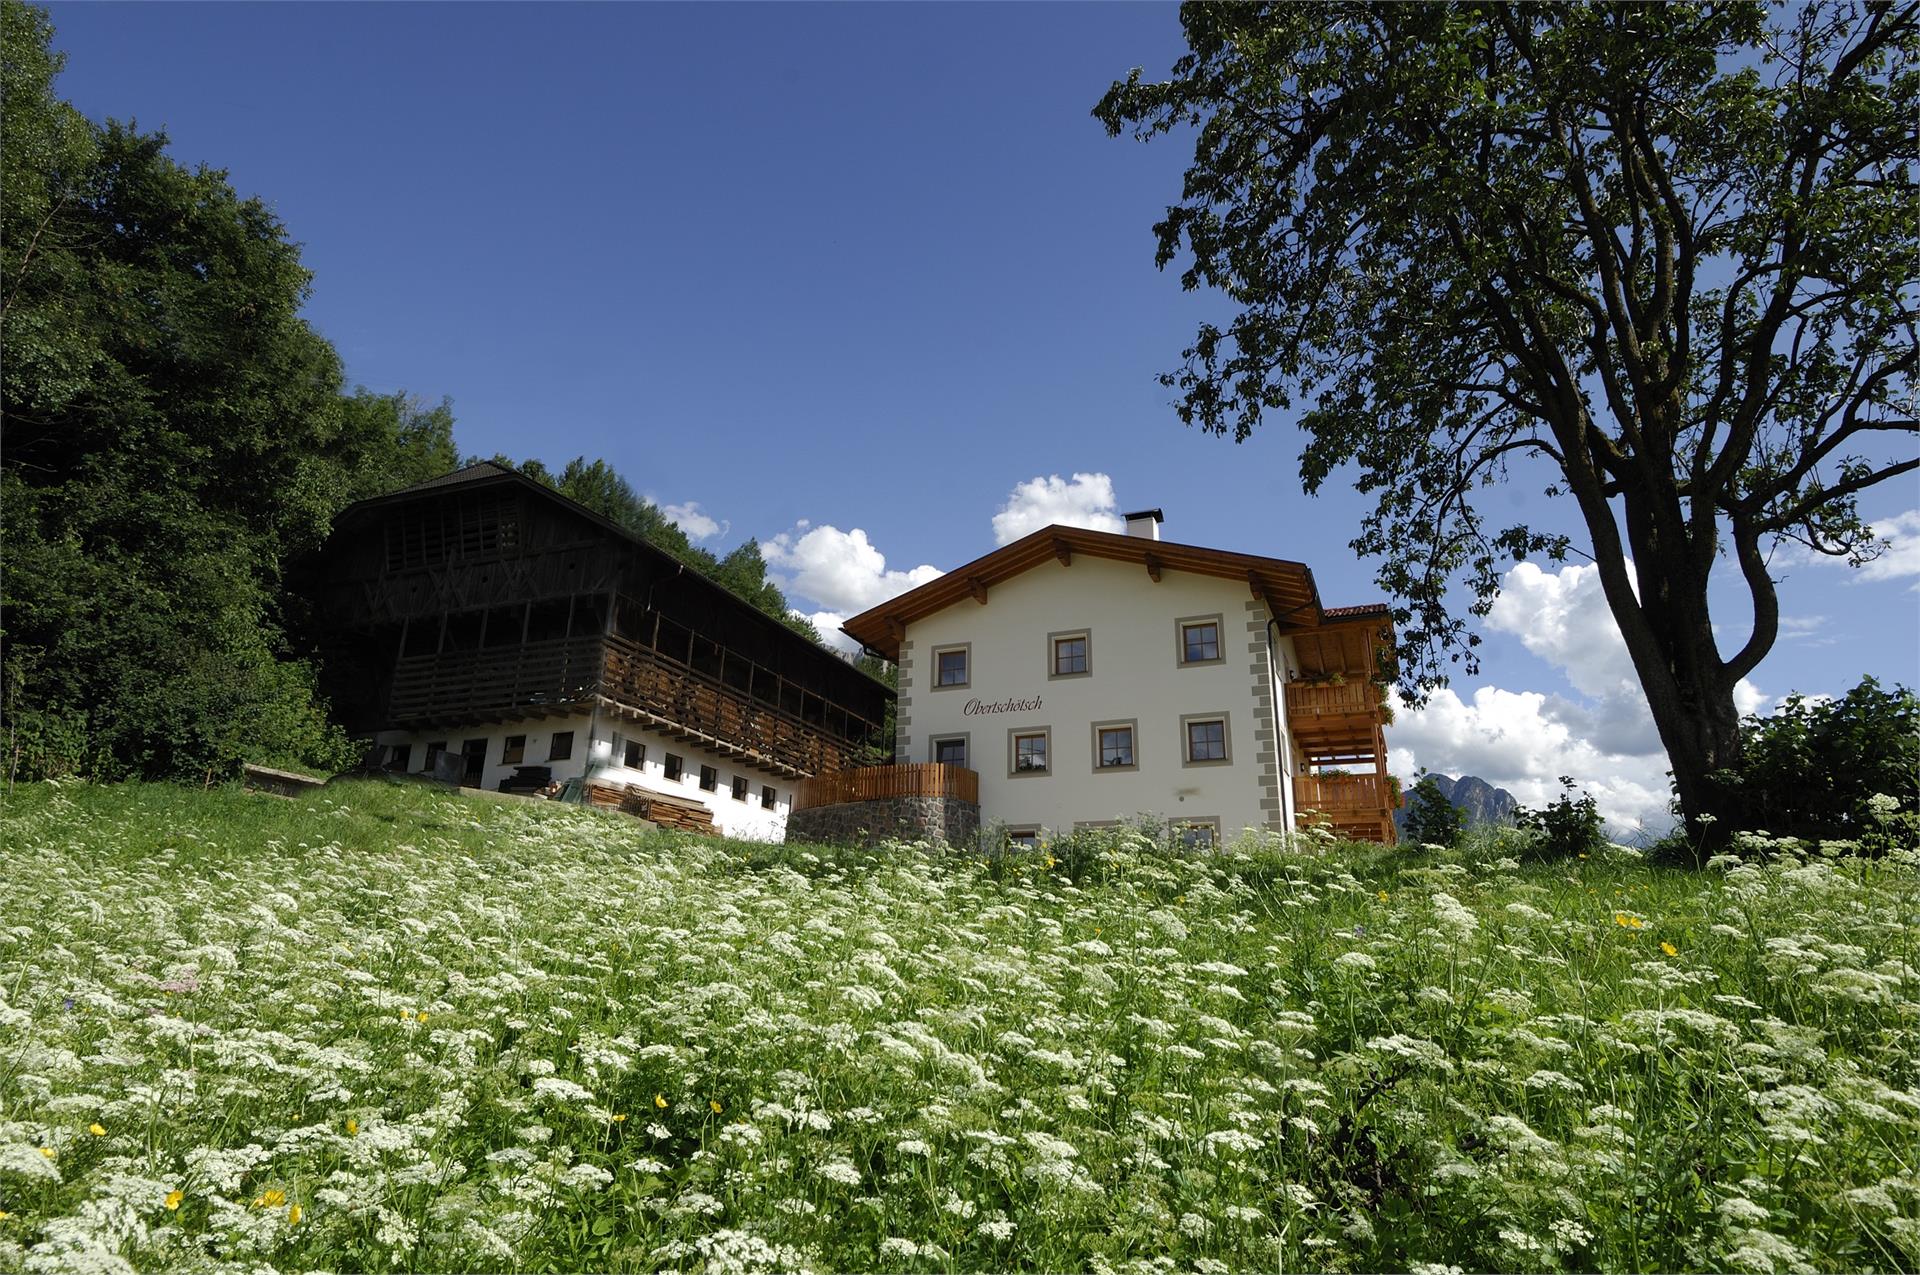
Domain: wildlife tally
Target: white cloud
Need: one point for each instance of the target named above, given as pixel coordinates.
(1523, 741)
(828, 623)
(1563, 618)
(691, 519)
(839, 571)
(1902, 556)
(1085, 500)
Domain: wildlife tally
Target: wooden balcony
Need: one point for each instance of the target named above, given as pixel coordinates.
(1336, 725)
(625, 680)
(1358, 806)
(877, 783)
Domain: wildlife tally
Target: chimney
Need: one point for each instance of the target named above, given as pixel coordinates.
(1145, 524)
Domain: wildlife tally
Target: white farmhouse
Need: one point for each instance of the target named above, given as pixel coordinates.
(1089, 677)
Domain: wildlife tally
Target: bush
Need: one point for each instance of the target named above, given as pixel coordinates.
(1567, 827)
(1812, 769)
(1432, 819)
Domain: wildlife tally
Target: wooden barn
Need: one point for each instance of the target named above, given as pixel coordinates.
(485, 615)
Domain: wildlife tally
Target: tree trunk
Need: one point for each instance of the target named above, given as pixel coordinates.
(1700, 728)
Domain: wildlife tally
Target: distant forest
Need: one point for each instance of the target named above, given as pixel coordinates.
(176, 436)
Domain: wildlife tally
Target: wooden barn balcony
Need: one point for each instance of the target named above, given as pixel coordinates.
(628, 682)
(1358, 806)
(878, 783)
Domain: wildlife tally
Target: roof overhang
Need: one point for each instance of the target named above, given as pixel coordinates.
(1286, 587)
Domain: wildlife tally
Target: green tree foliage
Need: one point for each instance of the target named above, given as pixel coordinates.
(174, 433)
(1661, 256)
(390, 441)
(1567, 826)
(599, 487)
(1812, 768)
(1432, 819)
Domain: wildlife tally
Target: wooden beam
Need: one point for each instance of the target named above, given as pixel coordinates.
(1063, 551)
(1153, 568)
(895, 627)
(978, 588)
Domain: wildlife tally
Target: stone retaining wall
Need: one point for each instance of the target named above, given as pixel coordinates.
(863, 823)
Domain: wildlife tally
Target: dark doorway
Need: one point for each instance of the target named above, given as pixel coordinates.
(475, 751)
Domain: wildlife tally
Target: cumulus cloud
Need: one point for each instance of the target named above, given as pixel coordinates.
(828, 623)
(1523, 741)
(1902, 556)
(1085, 500)
(839, 571)
(694, 521)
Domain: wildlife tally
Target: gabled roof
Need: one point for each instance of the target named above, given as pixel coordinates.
(1287, 587)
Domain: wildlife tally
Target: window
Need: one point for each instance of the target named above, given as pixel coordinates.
(1026, 838)
(739, 787)
(1204, 739)
(1027, 751)
(1200, 640)
(767, 797)
(952, 667)
(399, 757)
(1069, 654)
(434, 750)
(1113, 747)
(635, 755)
(950, 750)
(562, 746)
(513, 750)
(1196, 834)
(709, 779)
(675, 767)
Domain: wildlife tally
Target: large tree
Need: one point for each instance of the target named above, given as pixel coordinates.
(1663, 255)
(174, 433)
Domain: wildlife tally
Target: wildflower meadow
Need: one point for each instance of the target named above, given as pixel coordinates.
(387, 1028)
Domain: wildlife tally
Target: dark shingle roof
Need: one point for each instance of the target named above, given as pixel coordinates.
(1351, 613)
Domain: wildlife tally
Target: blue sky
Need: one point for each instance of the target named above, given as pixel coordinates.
(848, 279)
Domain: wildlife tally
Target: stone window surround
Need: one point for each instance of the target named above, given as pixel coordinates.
(1188, 720)
(1016, 733)
(1132, 727)
(1053, 653)
(933, 666)
(1180, 627)
(966, 743)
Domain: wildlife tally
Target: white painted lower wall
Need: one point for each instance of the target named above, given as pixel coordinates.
(602, 744)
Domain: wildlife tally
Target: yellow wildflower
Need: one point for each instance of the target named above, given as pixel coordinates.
(1670, 949)
(714, 1103)
(293, 1215)
(660, 1101)
(4, 1215)
(173, 1200)
(353, 1126)
(48, 1152)
(1383, 896)
(621, 1118)
(97, 1130)
(270, 1199)
(422, 1015)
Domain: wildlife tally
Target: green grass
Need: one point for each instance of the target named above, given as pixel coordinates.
(458, 1034)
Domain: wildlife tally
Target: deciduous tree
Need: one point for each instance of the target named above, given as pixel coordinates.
(1664, 254)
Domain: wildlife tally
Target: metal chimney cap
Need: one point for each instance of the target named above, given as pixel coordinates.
(1154, 514)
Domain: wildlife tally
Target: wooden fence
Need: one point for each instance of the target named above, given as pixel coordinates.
(1351, 699)
(877, 783)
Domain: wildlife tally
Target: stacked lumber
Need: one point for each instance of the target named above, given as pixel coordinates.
(655, 807)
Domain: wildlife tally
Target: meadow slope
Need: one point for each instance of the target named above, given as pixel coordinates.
(391, 1029)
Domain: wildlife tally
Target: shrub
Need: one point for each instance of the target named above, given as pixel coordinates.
(1811, 769)
(1566, 827)
(1432, 819)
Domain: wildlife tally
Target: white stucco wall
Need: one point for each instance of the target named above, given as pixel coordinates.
(1135, 674)
(744, 819)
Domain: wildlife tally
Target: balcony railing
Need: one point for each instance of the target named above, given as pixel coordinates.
(1341, 794)
(1349, 699)
(877, 783)
(521, 680)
